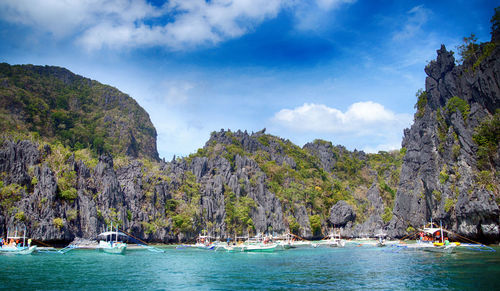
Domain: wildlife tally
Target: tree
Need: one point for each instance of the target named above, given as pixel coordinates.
(469, 49)
(495, 20)
(315, 222)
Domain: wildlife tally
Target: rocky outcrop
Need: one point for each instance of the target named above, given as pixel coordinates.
(329, 154)
(129, 196)
(341, 213)
(374, 224)
(440, 177)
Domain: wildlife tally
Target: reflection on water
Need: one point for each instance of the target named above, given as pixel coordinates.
(342, 268)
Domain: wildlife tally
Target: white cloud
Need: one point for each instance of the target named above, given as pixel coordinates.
(66, 17)
(374, 126)
(331, 4)
(361, 116)
(417, 17)
(315, 15)
(127, 23)
(176, 92)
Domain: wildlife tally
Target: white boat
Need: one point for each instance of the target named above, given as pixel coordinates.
(432, 239)
(332, 240)
(300, 244)
(229, 247)
(259, 243)
(381, 242)
(232, 245)
(205, 242)
(16, 244)
(260, 247)
(291, 241)
(111, 243)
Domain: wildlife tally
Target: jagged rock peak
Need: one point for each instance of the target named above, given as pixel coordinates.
(329, 154)
(440, 176)
(444, 63)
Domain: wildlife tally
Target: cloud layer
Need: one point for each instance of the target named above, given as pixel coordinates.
(177, 24)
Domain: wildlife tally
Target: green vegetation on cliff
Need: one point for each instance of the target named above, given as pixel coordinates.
(68, 119)
(297, 177)
(78, 112)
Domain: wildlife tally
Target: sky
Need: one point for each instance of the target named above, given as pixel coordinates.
(345, 71)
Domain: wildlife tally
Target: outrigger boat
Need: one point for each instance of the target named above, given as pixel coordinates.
(259, 244)
(205, 242)
(291, 241)
(110, 245)
(229, 247)
(333, 240)
(381, 240)
(235, 246)
(432, 238)
(16, 244)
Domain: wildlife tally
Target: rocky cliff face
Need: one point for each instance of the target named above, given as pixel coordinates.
(238, 183)
(371, 178)
(450, 170)
(138, 198)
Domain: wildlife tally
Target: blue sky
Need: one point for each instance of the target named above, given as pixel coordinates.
(342, 70)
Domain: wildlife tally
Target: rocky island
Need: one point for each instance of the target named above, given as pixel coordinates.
(76, 154)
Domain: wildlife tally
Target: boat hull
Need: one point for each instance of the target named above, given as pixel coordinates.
(17, 251)
(205, 247)
(429, 247)
(120, 250)
(330, 244)
(231, 249)
(115, 248)
(259, 248)
(298, 245)
(440, 249)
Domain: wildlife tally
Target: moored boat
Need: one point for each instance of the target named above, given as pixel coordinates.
(229, 247)
(260, 247)
(291, 241)
(332, 240)
(381, 242)
(16, 243)
(111, 242)
(205, 242)
(260, 243)
(432, 238)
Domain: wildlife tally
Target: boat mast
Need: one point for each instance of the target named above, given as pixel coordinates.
(442, 235)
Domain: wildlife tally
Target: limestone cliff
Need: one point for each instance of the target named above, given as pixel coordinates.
(238, 183)
(451, 167)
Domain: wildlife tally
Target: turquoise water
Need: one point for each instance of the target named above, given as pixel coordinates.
(342, 268)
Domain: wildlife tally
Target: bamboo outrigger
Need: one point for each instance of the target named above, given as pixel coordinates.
(16, 243)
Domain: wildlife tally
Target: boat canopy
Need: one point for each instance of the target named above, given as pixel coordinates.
(112, 233)
(432, 230)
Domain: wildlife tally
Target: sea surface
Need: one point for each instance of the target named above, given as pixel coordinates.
(349, 268)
